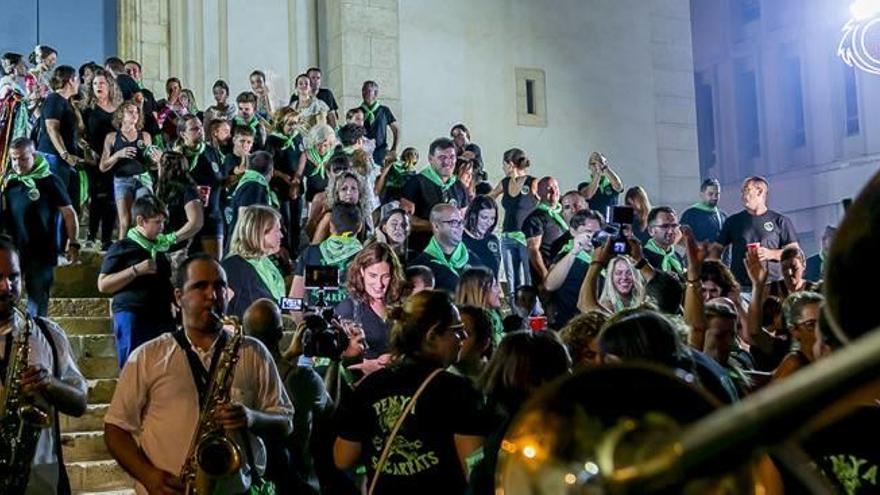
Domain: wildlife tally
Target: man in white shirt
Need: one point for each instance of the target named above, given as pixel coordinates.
(154, 413)
(65, 391)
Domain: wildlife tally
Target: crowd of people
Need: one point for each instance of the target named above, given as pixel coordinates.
(400, 281)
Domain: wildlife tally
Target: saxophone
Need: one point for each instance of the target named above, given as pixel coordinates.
(21, 421)
(213, 454)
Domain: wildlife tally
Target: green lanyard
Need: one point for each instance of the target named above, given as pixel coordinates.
(254, 176)
(269, 274)
(370, 111)
(455, 262)
(670, 262)
(320, 160)
(554, 213)
(432, 175)
(338, 249)
(161, 244)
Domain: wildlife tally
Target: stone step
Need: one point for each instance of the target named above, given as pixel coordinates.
(101, 390)
(92, 345)
(80, 280)
(85, 325)
(79, 306)
(84, 446)
(99, 367)
(92, 420)
(129, 491)
(97, 476)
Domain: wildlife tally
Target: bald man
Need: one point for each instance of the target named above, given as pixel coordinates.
(542, 228)
(446, 255)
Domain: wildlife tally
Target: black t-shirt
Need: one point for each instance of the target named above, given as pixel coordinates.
(378, 128)
(423, 459)
(177, 207)
(772, 230)
(539, 223)
(150, 106)
(376, 330)
(312, 256)
(98, 124)
(251, 193)
(147, 294)
(315, 182)
(31, 219)
(424, 194)
(813, 271)
(56, 107)
(208, 171)
(127, 85)
(285, 161)
(324, 95)
(563, 301)
(706, 225)
(444, 278)
(488, 249)
(245, 283)
(603, 198)
(656, 260)
(847, 452)
(517, 208)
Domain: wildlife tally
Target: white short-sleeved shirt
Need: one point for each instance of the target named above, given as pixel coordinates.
(44, 470)
(157, 401)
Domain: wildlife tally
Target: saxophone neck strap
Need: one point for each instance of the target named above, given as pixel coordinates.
(201, 376)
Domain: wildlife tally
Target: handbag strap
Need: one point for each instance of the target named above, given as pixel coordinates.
(386, 450)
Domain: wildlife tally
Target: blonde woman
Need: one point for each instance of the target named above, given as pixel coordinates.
(349, 188)
(313, 167)
(250, 272)
(625, 279)
(479, 287)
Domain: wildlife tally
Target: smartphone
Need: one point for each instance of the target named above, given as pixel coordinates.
(620, 246)
(621, 215)
(321, 277)
(291, 304)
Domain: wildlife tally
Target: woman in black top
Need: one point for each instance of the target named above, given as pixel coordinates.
(480, 219)
(441, 432)
(103, 99)
(375, 281)
(126, 153)
(58, 127)
(179, 193)
(393, 229)
(519, 196)
(637, 198)
(285, 145)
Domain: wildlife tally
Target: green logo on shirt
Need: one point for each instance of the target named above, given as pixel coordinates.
(405, 457)
(851, 472)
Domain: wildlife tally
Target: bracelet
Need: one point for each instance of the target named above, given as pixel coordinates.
(134, 270)
(641, 264)
(694, 283)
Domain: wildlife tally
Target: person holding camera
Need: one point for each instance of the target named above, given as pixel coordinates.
(570, 268)
(137, 272)
(446, 254)
(252, 273)
(427, 446)
(660, 248)
(336, 252)
(604, 186)
(624, 286)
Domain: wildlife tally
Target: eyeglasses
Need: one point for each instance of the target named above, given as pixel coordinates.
(453, 223)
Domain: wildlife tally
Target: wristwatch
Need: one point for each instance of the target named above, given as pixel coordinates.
(641, 264)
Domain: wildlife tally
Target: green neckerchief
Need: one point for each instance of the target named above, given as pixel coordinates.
(516, 235)
(497, 325)
(396, 177)
(39, 171)
(370, 111)
(193, 154)
(269, 274)
(583, 255)
(338, 249)
(287, 140)
(348, 150)
(254, 176)
(670, 261)
(320, 161)
(252, 123)
(161, 244)
(604, 184)
(822, 263)
(432, 175)
(455, 262)
(554, 213)
(704, 207)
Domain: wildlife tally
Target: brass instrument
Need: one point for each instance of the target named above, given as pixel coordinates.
(21, 421)
(637, 429)
(213, 454)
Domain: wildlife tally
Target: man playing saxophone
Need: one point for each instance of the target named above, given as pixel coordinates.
(48, 383)
(156, 408)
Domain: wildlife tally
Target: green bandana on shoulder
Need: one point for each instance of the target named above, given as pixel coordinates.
(670, 261)
(370, 111)
(457, 260)
(40, 170)
(161, 244)
(269, 274)
(554, 213)
(704, 207)
(192, 155)
(287, 141)
(583, 255)
(604, 184)
(254, 176)
(251, 124)
(319, 161)
(338, 250)
(432, 175)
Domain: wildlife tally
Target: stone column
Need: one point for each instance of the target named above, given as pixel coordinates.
(362, 43)
(144, 36)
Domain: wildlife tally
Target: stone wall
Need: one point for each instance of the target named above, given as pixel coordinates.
(144, 36)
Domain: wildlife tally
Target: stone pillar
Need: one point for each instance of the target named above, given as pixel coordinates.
(144, 36)
(362, 43)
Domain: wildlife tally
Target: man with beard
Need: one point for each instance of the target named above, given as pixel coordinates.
(659, 251)
(446, 254)
(52, 380)
(704, 217)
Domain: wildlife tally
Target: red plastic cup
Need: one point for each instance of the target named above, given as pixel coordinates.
(753, 246)
(204, 194)
(538, 323)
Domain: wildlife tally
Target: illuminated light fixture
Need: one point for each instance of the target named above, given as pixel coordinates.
(570, 479)
(860, 45)
(529, 451)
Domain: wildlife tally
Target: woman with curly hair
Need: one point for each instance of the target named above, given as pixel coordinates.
(375, 281)
(348, 188)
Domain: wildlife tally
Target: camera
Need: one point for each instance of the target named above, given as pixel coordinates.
(617, 219)
(321, 277)
(323, 338)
